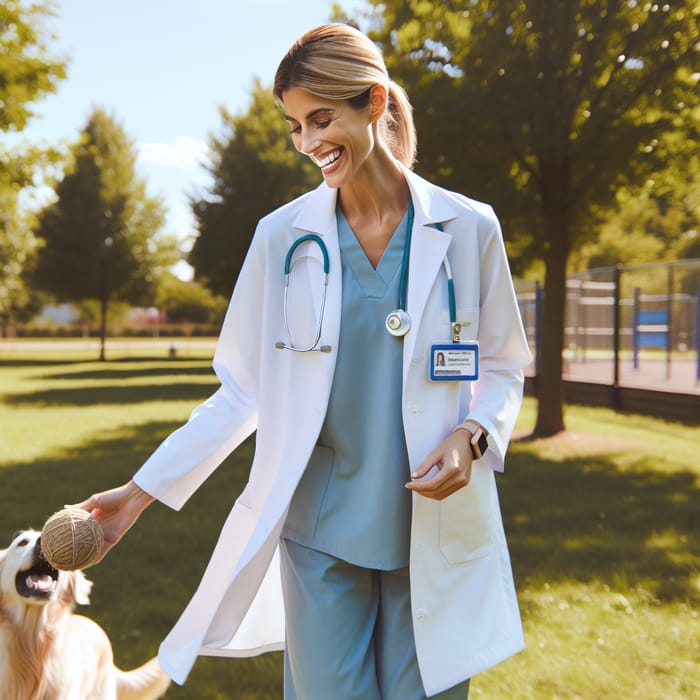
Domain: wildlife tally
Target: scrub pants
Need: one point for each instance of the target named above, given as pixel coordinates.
(349, 631)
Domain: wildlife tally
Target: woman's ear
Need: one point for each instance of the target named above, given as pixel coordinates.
(378, 97)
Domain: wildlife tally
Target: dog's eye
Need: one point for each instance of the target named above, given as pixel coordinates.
(23, 542)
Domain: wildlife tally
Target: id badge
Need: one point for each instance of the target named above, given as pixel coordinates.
(454, 362)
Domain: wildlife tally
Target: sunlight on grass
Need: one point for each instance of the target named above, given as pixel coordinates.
(602, 527)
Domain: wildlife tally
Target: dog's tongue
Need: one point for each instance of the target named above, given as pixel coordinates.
(40, 582)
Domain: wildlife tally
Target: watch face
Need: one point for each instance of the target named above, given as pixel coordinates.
(480, 446)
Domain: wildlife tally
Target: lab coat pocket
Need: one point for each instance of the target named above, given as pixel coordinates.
(466, 519)
(305, 507)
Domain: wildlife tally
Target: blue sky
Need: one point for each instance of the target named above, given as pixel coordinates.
(163, 68)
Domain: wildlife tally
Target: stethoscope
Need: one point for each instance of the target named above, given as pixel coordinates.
(398, 322)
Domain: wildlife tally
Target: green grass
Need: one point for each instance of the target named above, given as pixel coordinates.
(602, 524)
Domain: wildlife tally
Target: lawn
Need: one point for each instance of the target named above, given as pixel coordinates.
(603, 524)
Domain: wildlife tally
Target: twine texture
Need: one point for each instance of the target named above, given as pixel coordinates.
(71, 539)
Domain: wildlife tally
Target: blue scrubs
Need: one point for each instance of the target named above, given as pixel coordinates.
(345, 545)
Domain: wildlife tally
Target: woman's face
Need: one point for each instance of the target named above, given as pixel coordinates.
(337, 137)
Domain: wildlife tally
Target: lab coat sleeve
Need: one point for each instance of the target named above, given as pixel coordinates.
(216, 427)
(503, 349)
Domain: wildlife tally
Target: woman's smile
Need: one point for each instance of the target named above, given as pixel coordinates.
(328, 161)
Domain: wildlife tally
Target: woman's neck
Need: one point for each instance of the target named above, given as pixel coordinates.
(378, 190)
(374, 203)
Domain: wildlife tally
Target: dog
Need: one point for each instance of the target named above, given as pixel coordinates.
(46, 651)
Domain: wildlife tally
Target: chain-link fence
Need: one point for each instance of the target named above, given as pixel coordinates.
(636, 326)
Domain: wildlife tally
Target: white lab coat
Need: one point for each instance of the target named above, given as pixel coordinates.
(465, 610)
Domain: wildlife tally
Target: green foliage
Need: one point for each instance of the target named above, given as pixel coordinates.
(27, 70)
(17, 250)
(254, 170)
(189, 301)
(99, 235)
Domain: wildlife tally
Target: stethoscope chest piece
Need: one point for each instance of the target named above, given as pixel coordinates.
(398, 322)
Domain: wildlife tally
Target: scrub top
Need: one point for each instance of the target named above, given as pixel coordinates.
(352, 501)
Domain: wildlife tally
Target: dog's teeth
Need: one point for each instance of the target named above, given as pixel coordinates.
(40, 583)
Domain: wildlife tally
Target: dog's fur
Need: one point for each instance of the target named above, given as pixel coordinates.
(46, 651)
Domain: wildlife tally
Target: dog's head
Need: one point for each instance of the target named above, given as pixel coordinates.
(27, 579)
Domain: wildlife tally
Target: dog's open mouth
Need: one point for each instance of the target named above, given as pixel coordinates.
(38, 582)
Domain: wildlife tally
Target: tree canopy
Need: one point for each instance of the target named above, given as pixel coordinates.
(99, 236)
(254, 170)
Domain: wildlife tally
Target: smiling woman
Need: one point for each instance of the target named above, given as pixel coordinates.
(367, 542)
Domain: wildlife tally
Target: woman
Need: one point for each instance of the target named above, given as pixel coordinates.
(371, 506)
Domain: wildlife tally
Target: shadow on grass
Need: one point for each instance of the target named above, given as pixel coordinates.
(110, 394)
(145, 582)
(135, 372)
(582, 519)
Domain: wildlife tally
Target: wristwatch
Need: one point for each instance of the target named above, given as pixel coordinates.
(477, 441)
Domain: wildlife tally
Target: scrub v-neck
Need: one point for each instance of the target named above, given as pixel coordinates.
(374, 281)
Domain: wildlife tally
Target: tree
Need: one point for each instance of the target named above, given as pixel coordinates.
(17, 250)
(545, 108)
(254, 170)
(99, 236)
(189, 301)
(27, 73)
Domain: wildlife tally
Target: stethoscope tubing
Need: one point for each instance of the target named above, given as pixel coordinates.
(398, 322)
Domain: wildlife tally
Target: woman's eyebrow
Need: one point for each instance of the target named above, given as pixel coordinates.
(311, 114)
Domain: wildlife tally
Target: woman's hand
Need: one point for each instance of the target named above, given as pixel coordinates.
(116, 510)
(453, 459)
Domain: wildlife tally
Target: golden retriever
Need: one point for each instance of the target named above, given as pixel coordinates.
(46, 651)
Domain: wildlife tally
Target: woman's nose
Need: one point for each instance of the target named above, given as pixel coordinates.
(309, 145)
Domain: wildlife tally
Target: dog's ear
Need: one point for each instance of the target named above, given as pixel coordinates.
(79, 588)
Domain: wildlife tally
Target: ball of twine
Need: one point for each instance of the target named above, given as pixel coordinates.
(71, 539)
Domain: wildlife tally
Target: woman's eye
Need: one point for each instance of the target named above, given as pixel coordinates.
(322, 124)
(295, 130)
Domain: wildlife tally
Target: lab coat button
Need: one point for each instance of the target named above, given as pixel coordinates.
(414, 411)
(420, 613)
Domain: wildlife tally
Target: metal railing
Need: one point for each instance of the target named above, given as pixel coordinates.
(636, 325)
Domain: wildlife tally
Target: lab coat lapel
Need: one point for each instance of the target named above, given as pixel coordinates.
(428, 249)
(318, 216)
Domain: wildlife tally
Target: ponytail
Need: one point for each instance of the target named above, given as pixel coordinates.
(400, 130)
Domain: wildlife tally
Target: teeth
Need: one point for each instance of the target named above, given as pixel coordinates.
(329, 159)
(40, 582)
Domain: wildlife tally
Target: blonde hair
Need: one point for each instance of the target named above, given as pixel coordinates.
(338, 62)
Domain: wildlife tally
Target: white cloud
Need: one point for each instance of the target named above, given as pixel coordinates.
(183, 153)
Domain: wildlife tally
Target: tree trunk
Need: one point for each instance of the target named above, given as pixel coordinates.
(550, 384)
(103, 326)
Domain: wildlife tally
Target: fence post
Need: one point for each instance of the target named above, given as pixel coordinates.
(539, 295)
(669, 319)
(697, 336)
(617, 273)
(635, 329)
